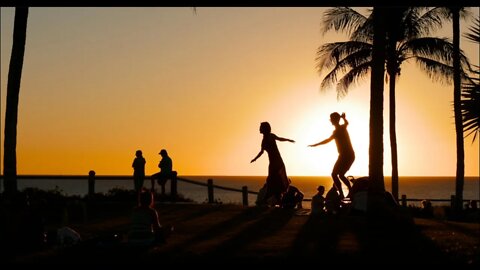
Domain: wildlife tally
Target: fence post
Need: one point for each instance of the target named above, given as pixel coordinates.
(245, 195)
(173, 186)
(91, 183)
(452, 202)
(210, 191)
(404, 200)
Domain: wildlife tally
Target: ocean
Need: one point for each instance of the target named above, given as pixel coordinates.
(413, 187)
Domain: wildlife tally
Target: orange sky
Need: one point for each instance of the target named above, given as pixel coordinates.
(100, 83)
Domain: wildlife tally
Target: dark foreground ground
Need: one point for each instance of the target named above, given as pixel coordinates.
(217, 234)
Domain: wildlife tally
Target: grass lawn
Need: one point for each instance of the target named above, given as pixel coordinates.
(232, 234)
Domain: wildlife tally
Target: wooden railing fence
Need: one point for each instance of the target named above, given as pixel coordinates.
(92, 178)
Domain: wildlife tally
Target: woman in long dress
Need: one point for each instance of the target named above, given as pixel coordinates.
(277, 180)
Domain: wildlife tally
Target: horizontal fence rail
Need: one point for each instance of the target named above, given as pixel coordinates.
(91, 178)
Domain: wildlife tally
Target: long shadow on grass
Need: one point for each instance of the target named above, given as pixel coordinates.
(263, 227)
(217, 229)
(170, 213)
(347, 240)
(318, 237)
(399, 243)
(471, 232)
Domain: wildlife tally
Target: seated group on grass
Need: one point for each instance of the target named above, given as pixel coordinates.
(291, 199)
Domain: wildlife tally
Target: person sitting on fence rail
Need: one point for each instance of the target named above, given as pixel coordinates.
(165, 173)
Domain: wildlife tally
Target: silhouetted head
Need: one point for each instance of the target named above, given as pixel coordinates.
(138, 153)
(145, 198)
(321, 189)
(163, 153)
(473, 205)
(335, 118)
(265, 128)
(426, 204)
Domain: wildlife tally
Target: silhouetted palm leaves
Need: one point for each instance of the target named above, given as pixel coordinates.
(347, 63)
(470, 103)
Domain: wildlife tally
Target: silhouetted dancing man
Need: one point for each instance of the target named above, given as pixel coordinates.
(346, 155)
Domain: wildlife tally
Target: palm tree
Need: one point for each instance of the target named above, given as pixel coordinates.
(407, 38)
(470, 104)
(455, 13)
(375, 169)
(13, 90)
(460, 172)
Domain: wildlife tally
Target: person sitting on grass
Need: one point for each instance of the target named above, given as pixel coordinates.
(427, 209)
(318, 202)
(292, 198)
(332, 201)
(145, 225)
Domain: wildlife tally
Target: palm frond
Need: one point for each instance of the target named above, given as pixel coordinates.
(435, 70)
(342, 19)
(405, 24)
(432, 19)
(436, 49)
(330, 54)
(446, 12)
(474, 34)
(352, 78)
(470, 105)
(350, 62)
(364, 33)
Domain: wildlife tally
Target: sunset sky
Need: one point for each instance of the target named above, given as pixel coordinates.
(100, 83)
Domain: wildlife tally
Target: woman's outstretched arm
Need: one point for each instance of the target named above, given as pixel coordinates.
(283, 139)
(259, 154)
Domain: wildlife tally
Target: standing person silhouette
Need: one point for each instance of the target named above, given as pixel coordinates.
(277, 180)
(346, 155)
(138, 166)
(165, 173)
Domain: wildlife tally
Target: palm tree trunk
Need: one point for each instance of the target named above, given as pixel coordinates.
(375, 170)
(13, 91)
(460, 173)
(392, 68)
(393, 137)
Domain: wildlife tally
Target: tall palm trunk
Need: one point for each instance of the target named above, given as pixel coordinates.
(392, 67)
(375, 169)
(393, 137)
(13, 91)
(460, 173)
